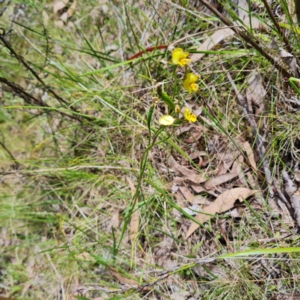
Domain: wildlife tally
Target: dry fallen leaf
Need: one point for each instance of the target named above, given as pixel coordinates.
(186, 193)
(84, 256)
(224, 202)
(192, 175)
(247, 147)
(256, 93)
(226, 161)
(115, 220)
(180, 199)
(237, 168)
(59, 5)
(195, 133)
(212, 183)
(122, 279)
(134, 222)
(212, 41)
(72, 9)
(289, 60)
(179, 295)
(197, 188)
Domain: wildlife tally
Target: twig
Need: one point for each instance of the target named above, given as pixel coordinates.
(149, 49)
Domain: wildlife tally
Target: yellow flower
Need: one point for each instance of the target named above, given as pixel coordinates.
(166, 120)
(179, 57)
(189, 82)
(189, 116)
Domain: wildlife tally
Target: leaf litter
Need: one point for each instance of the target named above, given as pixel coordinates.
(224, 202)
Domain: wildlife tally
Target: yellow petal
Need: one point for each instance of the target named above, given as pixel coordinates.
(189, 116)
(184, 61)
(192, 118)
(166, 120)
(179, 57)
(194, 87)
(193, 77)
(189, 82)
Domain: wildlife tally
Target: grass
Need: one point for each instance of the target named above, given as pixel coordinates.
(81, 155)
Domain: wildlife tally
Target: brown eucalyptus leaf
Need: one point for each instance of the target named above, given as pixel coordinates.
(289, 60)
(197, 188)
(250, 155)
(224, 202)
(190, 174)
(59, 5)
(256, 92)
(122, 279)
(212, 41)
(72, 9)
(212, 183)
(186, 193)
(194, 134)
(115, 220)
(237, 168)
(227, 160)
